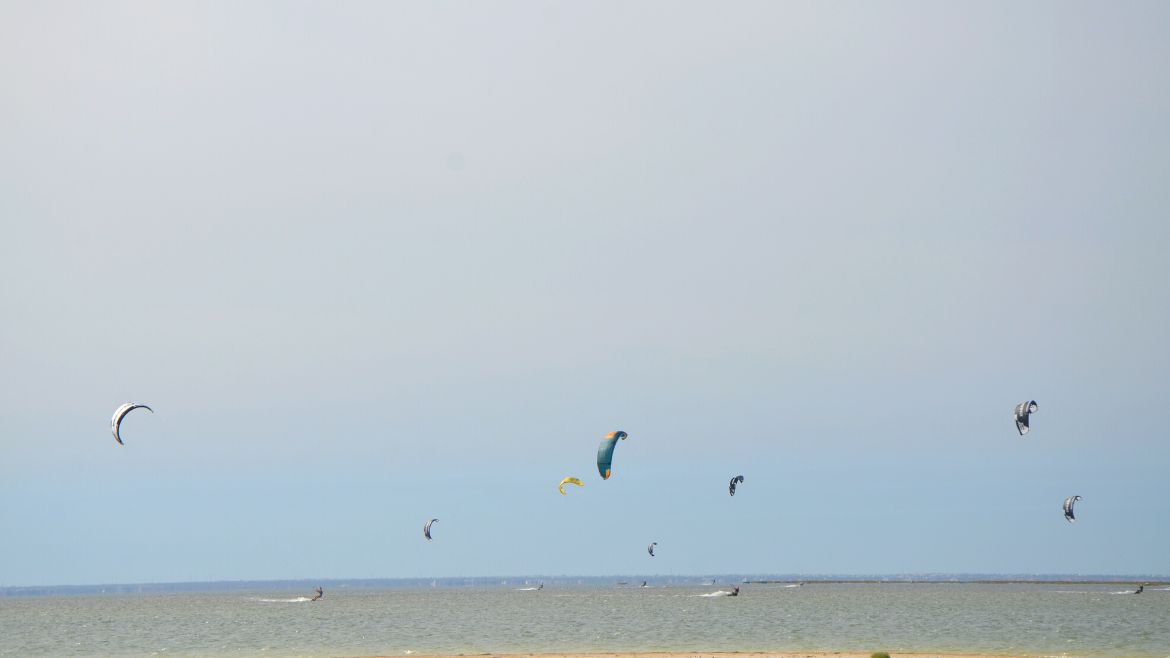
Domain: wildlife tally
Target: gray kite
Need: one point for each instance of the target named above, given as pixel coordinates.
(1068, 508)
(119, 414)
(734, 481)
(1023, 410)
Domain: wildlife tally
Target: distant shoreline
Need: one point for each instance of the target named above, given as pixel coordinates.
(554, 582)
(719, 654)
(1131, 581)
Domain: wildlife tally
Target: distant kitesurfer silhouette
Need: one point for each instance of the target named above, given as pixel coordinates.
(320, 594)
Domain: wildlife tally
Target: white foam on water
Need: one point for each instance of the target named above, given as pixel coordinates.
(299, 599)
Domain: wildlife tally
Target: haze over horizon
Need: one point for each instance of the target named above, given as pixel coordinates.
(570, 580)
(376, 263)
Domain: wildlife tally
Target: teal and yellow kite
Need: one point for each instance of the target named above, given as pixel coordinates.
(605, 452)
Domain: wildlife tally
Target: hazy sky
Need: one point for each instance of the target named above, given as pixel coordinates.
(373, 263)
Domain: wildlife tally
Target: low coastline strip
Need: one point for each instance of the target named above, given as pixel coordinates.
(720, 655)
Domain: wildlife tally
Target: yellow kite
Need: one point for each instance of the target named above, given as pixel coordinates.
(565, 481)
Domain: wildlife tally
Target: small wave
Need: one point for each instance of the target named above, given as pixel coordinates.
(299, 599)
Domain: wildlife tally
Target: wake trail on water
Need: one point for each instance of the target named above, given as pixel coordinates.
(299, 599)
(713, 594)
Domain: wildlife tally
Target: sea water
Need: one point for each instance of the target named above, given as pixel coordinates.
(1032, 619)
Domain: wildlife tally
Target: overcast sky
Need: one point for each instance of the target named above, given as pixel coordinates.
(372, 263)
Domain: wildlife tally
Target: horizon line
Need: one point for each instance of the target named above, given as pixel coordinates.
(757, 578)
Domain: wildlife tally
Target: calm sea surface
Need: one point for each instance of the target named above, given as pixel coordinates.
(1073, 620)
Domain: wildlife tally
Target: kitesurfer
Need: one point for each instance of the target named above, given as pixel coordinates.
(734, 591)
(1140, 589)
(320, 594)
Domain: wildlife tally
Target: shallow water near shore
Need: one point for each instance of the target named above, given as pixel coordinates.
(1012, 619)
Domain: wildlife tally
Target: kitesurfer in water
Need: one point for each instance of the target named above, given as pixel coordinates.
(734, 591)
(320, 594)
(1140, 589)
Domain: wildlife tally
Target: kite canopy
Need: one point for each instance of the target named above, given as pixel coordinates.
(119, 414)
(427, 528)
(569, 480)
(734, 481)
(605, 452)
(650, 548)
(1023, 410)
(1068, 508)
